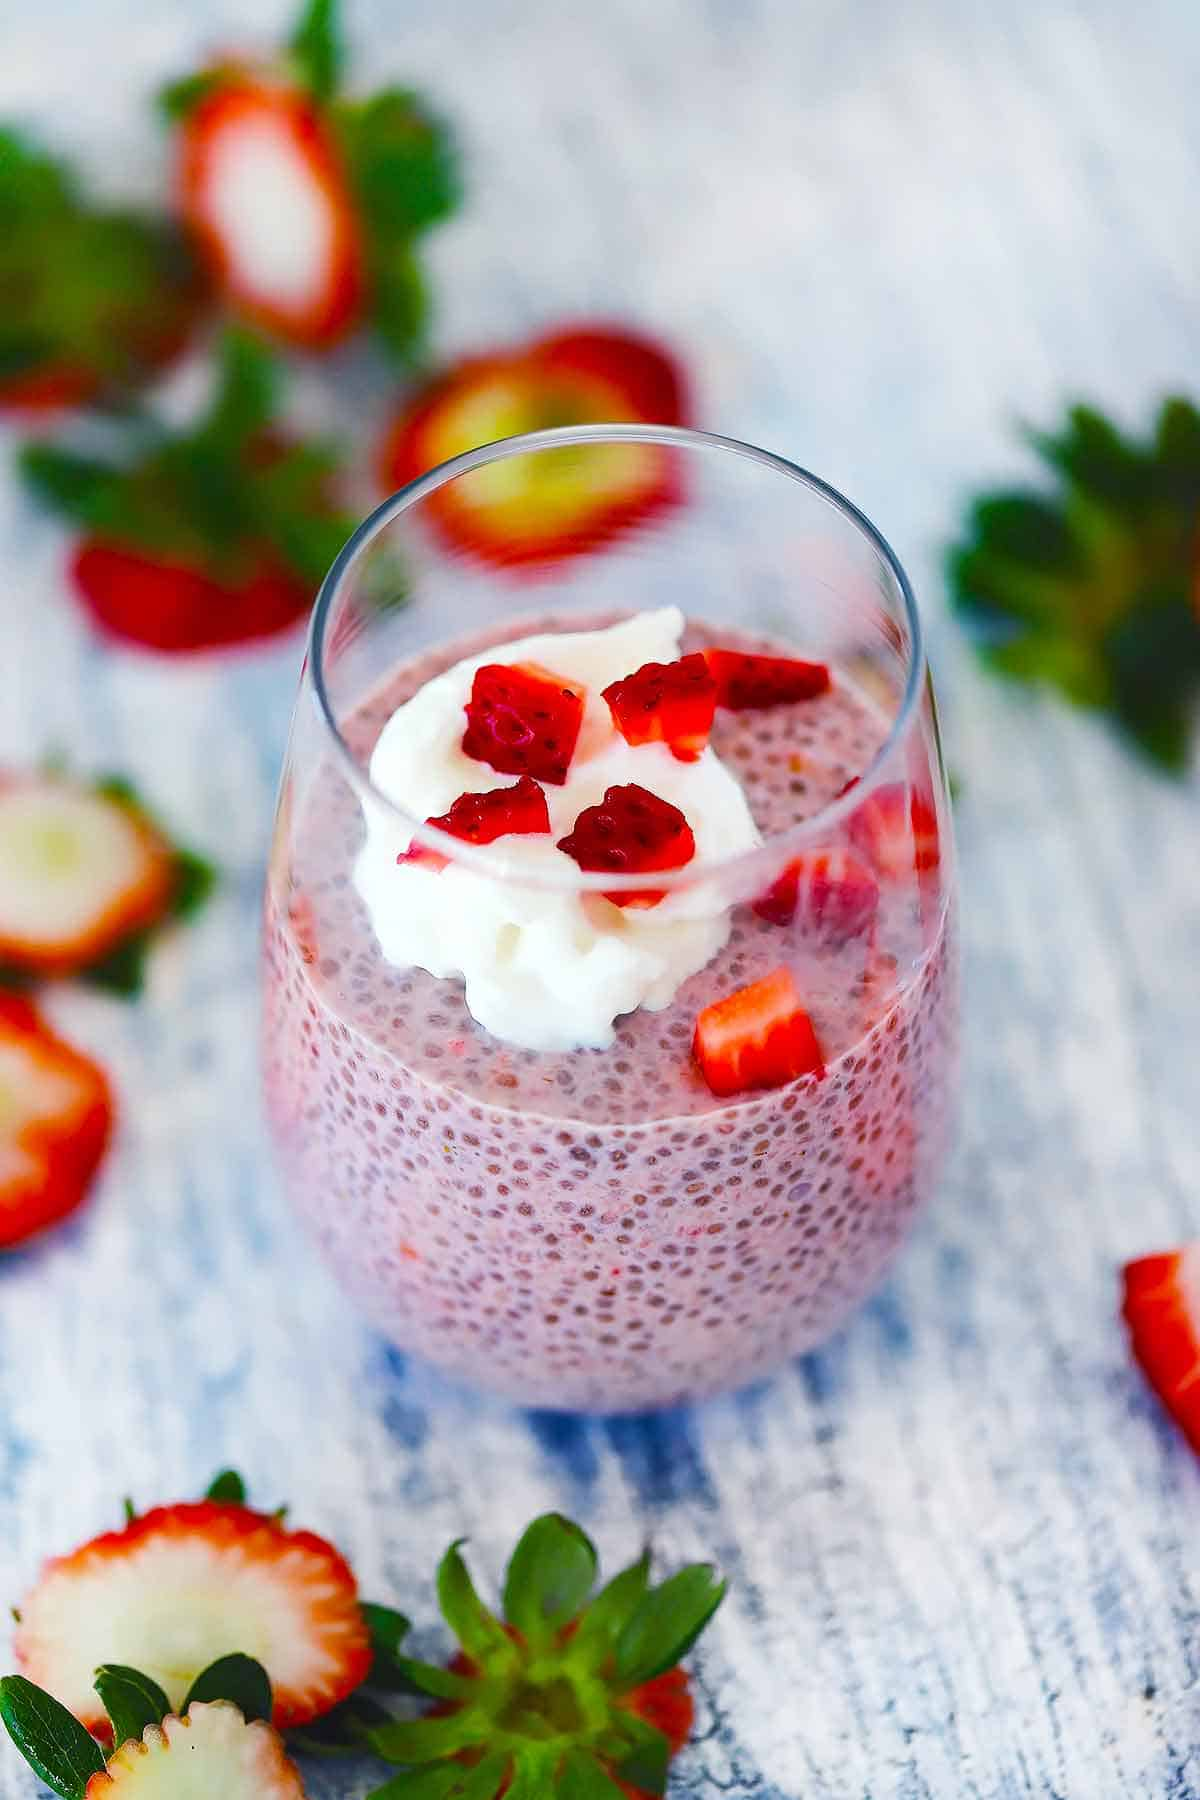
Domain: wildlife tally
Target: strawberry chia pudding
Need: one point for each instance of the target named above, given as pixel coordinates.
(611, 1156)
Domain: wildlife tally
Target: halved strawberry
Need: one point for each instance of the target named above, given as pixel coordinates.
(56, 1115)
(184, 1585)
(632, 830)
(834, 894)
(1162, 1311)
(557, 503)
(262, 187)
(209, 1754)
(896, 827)
(523, 719)
(669, 703)
(747, 682)
(518, 811)
(164, 604)
(80, 872)
(758, 1037)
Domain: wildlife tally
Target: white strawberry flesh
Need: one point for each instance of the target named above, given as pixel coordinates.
(211, 1754)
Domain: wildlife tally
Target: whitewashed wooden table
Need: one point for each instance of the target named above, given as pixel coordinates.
(962, 1540)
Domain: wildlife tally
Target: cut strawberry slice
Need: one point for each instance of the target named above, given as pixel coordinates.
(261, 186)
(1162, 1312)
(669, 703)
(759, 1037)
(745, 683)
(79, 873)
(833, 893)
(211, 1752)
(632, 830)
(164, 604)
(184, 1585)
(896, 827)
(523, 720)
(558, 503)
(519, 811)
(56, 1118)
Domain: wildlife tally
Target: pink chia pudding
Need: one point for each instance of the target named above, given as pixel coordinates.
(596, 1228)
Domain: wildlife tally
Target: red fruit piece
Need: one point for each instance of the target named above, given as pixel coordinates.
(185, 1584)
(523, 720)
(55, 1121)
(211, 1751)
(832, 891)
(758, 1037)
(630, 831)
(745, 683)
(165, 604)
(670, 703)
(1162, 1312)
(896, 827)
(262, 187)
(518, 811)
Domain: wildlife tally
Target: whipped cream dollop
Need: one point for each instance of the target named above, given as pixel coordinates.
(544, 967)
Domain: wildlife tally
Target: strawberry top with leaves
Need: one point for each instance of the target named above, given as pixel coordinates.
(572, 1693)
(93, 301)
(304, 203)
(1092, 586)
(210, 537)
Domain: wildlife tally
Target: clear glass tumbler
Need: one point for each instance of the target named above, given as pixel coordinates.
(691, 1131)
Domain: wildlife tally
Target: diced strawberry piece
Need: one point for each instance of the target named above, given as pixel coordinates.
(296, 270)
(834, 894)
(164, 603)
(519, 811)
(896, 827)
(746, 683)
(632, 830)
(670, 703)
(185, 1584)
(523, 720)
(1162, 1312)
(210, 1751)
(56, 1117)
(758, 1037)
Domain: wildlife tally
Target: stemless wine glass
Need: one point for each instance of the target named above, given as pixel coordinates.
(625, 1224)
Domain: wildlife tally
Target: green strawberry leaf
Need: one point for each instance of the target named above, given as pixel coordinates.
(401, 306)
(131, 1700)
(431, 1678)
(428, 1740)
(78, 486)
(246, 394)
(533, 1773)
(343, 1731)
(666, 1623)
(195, 879)
(388, 1629)
(645, 1766)
(608, 1613)
(550, 1575)
(403, 163)
(237, 1678)
(447, 1781)
(582, 1778)
(227, 1487)
(480, 1633)
(316, 49)
(52, 1741)
(179, 98)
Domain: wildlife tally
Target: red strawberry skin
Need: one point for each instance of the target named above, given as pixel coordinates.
(832, 891)
(668, 703)
(758, 1037)
(519, 811)
(53, 388)
(334, 303)
(630, 832)
(896, 828)
(746, 682)
(56, 1155)
(523, 720)
(175, 608)
(1162, 1313)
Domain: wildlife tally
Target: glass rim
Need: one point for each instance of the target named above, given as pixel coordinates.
(483, 859)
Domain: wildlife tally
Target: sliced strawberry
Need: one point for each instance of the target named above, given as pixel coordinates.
(632, 830)
(668, 703)
(56, 1117)
(53, 387)
(79, 874)
(210, 1752)
(1162, 1313)
(262, 187)
(834, 894)
(164, 604)
(562, 502)
(748, 682)
(185, 1584)
(518, 811)
(523, 720)
(759, 1037)
(896, 827)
